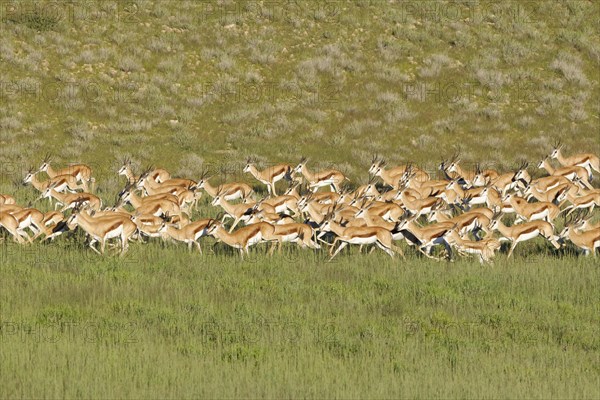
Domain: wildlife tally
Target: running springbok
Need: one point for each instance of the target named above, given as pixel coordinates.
(588, 240)
(269, 176)
(102, 229)
(587, 160)
(522, 232)
(379, 236)
(244, 237)
(329, 177)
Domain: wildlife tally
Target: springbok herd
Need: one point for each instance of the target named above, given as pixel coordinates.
(462, 212)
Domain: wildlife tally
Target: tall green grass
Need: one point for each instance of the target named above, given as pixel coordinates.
(184, 84)
(166, 323)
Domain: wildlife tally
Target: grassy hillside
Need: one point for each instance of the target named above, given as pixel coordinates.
(179, 83)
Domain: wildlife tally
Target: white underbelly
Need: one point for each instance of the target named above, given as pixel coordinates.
(200, 234)
(115, 232)
(255, 239)
(278, 177)
(25, 223)
(397, 236)
(290, 238)
(60, 188)
(539, 215)
(366, 240)
(152, 234)
(529, 235)
(321, 183)
(233, 196)
(587, 165)
(479, 200)
(281, 208)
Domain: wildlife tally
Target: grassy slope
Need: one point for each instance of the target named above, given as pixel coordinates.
(337, 82)
(163, 323)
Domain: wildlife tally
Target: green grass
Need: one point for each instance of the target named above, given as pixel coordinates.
(187, 85)
(164, 323)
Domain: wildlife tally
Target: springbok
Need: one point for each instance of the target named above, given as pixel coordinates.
(379, 236)
(588, 240)
(81, 172)
(568, 172)
(485, 249)
(10, 223)
(522, 232)
(158, 175)
(102, 229)
(329, 177)
(587, 160)
(269, 176)
(244, 237)
(229, 191)
(70, 200)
